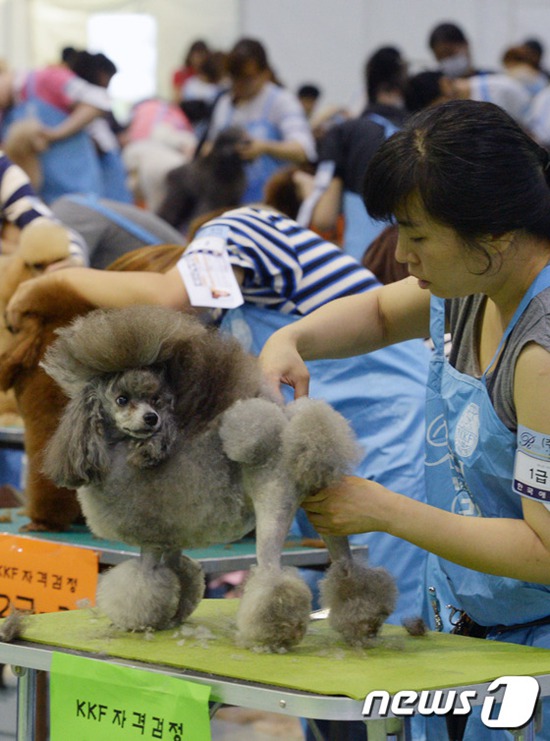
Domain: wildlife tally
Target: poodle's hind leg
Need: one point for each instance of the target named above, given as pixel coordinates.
(274, 611)
(360, 598)
(191, 578)
(140, 593)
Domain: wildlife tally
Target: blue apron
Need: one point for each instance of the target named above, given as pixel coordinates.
(382, 395)
(114, 177)
(259, 171)
(68, 166)
(469, 465)
(359, 228)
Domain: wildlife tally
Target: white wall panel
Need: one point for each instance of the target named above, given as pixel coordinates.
(323, 41)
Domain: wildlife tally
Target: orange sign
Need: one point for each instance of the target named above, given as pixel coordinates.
(40, 576)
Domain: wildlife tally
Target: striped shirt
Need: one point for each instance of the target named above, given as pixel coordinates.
(287, 267)
(20, 205)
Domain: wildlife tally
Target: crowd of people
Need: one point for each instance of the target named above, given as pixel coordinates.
(443, 175)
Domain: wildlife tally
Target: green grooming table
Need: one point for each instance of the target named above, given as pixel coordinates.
(321, 678)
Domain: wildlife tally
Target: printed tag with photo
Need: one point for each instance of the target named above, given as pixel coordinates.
(207, 272)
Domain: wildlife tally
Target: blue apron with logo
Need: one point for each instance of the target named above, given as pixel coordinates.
(469, 466)
(382, 395)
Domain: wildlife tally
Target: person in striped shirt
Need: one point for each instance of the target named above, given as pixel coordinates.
(277, 263)
(20, 206)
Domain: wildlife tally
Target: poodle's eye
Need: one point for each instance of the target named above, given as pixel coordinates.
(121, 401)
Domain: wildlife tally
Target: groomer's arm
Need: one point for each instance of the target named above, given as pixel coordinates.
(102, 288)
(81, 115)
(292, 151)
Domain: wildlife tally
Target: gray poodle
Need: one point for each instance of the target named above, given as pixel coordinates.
(173, 441)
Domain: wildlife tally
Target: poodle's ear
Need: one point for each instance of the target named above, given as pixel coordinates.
(77, 452)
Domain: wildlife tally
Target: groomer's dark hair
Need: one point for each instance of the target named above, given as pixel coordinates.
(447, 33)
(385, 71)
(246, 49)
(473, 168)
(423, 90)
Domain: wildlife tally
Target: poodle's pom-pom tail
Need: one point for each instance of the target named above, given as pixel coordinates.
(274, 611)
(136, 598)
(360, 600)
(251, 430)
(319, 446)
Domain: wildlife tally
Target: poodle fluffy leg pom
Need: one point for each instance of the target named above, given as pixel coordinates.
(136, 595)
(360, 600)
(274, 611)
(192, 585)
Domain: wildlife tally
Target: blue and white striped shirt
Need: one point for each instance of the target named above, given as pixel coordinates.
(287, 267)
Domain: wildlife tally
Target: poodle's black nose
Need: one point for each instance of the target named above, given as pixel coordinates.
(151, 419)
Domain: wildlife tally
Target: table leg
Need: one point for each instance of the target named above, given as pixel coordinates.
(26, 702)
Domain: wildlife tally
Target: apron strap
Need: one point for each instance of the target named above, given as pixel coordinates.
(541, 282)
(437, 325)
(388, 126)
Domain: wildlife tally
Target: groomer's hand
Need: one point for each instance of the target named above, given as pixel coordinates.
(251, 148)
(281, 363)
(354, 505)
(20, 304)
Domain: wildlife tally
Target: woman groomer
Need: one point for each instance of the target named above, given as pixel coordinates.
(470, 193)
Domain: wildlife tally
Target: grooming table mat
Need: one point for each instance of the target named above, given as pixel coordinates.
(214, 558)
(321, 664)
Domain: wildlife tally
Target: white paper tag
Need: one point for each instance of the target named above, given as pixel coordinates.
(532, 477)
(207, 272)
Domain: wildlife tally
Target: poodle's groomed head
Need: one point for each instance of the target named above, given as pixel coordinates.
(142, 373)
(137, 402)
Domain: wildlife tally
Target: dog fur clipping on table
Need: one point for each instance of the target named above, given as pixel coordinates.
(174, 442)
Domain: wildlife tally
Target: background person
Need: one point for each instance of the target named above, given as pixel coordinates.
(62, 105)
(273, 117)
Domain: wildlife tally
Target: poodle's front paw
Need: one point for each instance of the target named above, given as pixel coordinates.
(136, 598)
(274, 611)
(360, 600)
(149, 453)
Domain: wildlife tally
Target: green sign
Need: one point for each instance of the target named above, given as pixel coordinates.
(92, 700)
